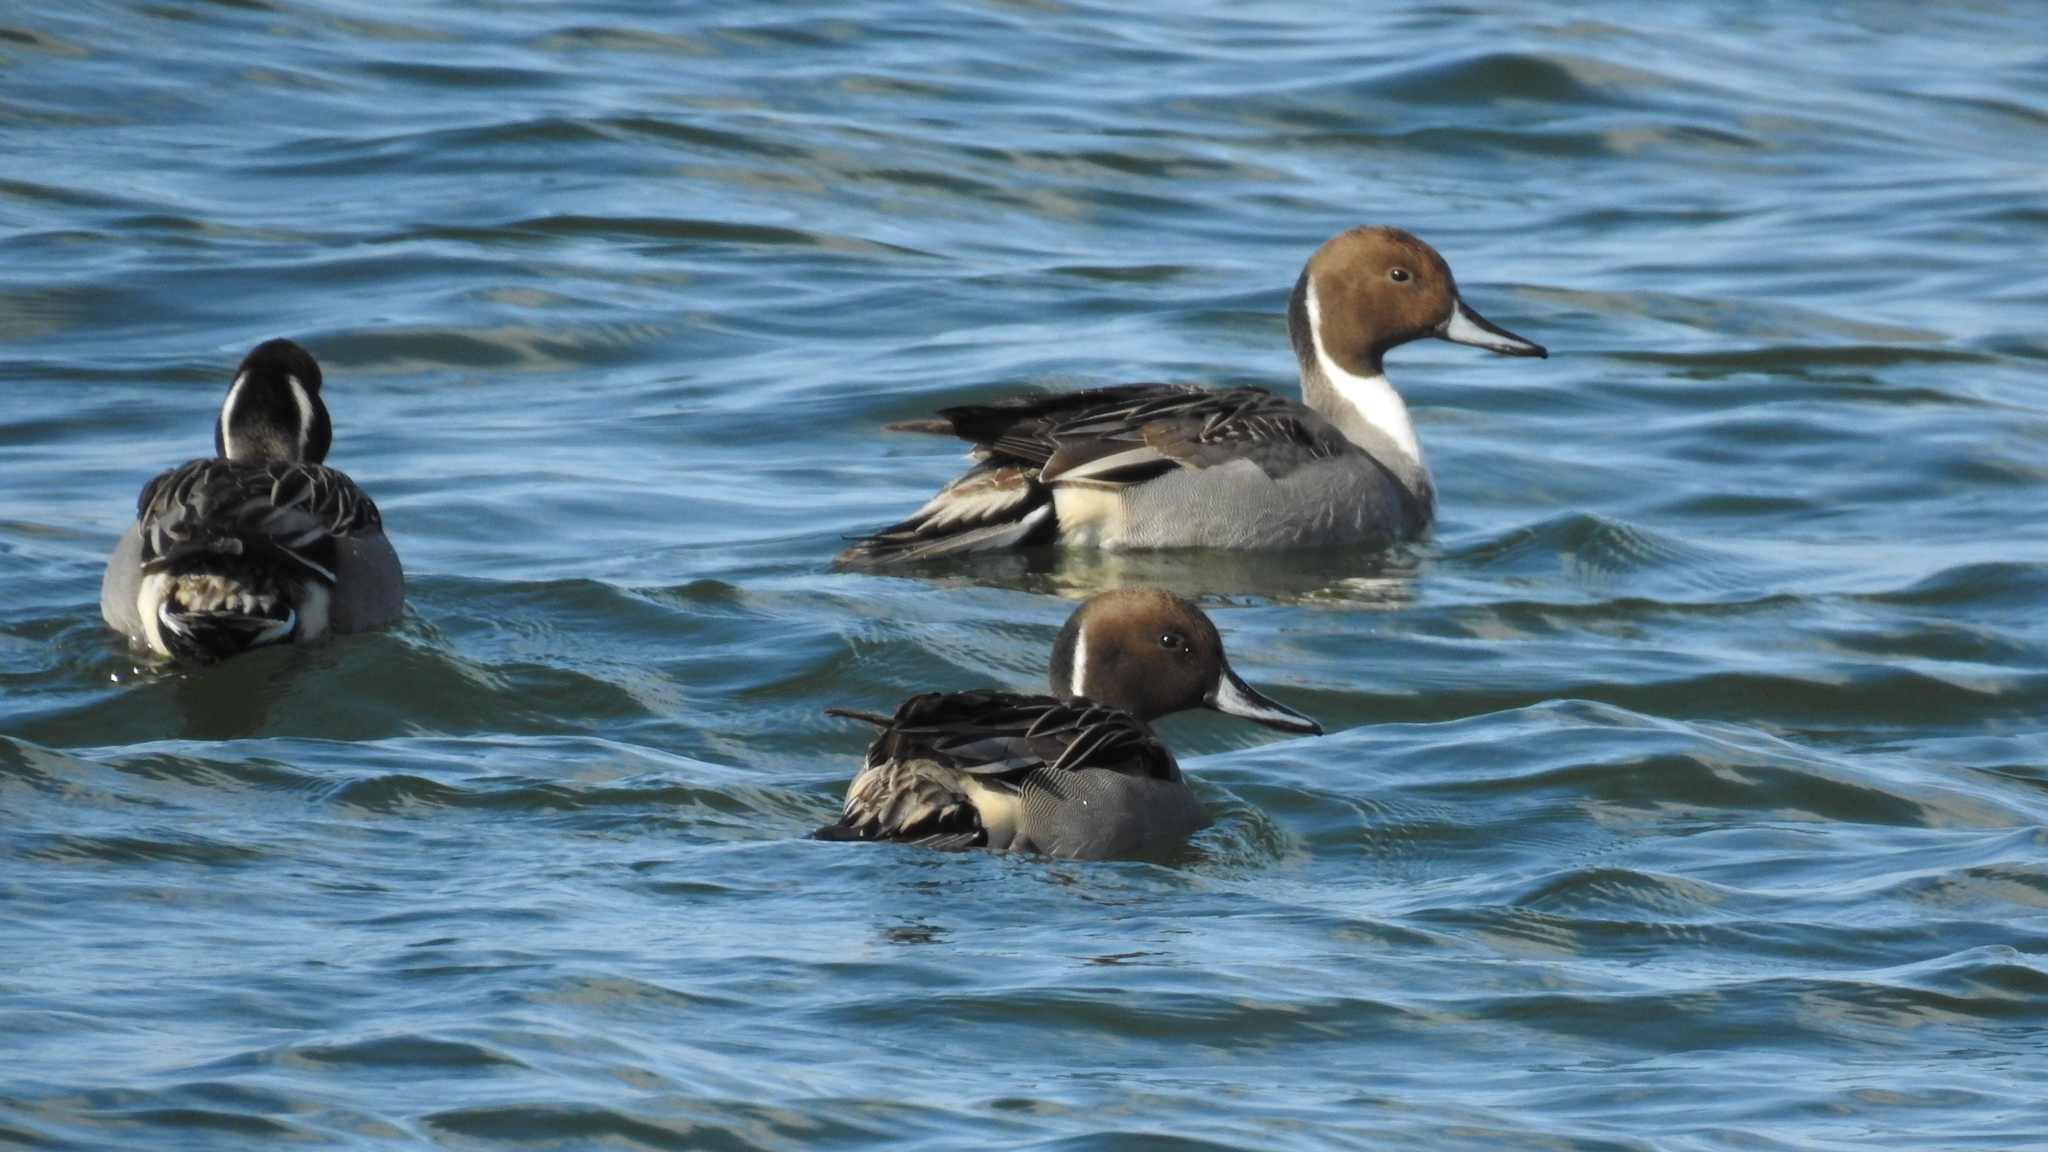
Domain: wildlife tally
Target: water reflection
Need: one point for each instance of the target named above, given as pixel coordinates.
(1361, 576)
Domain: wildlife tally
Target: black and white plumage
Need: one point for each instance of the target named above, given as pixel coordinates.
(1077, 774)
(1176, 465)
(260, 545)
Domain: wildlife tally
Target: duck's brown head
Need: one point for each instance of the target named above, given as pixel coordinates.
(1372, 288)
(1152, 653)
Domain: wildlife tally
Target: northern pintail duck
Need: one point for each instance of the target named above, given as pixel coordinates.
(261, 544)
(1076, 774)
(1184, 466)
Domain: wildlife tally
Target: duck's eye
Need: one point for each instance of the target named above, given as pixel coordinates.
(1398, 275)
(1170, 641)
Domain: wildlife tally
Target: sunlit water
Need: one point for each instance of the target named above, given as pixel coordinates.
(1684, 791)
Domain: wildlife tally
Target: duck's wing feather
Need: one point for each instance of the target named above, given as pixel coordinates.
(286, 512)
(908, 802)
(1130, 433)
(988, 732)
(912, 789)
(992, 505)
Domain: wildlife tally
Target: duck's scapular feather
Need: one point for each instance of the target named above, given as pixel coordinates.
(280, 512)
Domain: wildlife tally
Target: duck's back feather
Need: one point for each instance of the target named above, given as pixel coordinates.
(288, 511)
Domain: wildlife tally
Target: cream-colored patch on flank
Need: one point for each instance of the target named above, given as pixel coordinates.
(1371, 397)
(148, 599)
(1077, 685)
(313, 612)
(1091, 515)
(227, 415)
(1000, 808)
(305, 403)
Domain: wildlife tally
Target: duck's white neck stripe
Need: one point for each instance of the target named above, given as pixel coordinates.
(1373, 399)
(300, 397)
(1075, 687)
(227, 416)
(305, 403)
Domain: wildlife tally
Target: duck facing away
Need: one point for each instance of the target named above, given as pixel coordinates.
(1183, 466)
(1076, 774)
(261, 544)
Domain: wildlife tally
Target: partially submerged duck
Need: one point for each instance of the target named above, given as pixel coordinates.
(1183, 466)
(1077, 774)
(261, 544)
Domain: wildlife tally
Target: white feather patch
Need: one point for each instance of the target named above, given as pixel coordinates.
(1078, 686)
(149, 600)
(1371, 397)
(227, 416)
(1091, 515)
(305, 403)
(999, 808)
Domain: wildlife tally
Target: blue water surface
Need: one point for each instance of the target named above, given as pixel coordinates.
(1688, 789)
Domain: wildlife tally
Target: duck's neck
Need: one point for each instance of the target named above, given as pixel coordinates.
(264, 420)
(1365, 408)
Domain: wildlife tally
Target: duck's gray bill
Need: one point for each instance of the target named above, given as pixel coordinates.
(1234, 697)
(1468, 327)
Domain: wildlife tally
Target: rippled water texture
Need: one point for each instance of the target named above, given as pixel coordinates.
(1684, 791)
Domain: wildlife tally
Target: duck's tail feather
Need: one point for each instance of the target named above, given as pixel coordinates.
(926, 427)
(849, 828)
(875, 718)
(205, 616)
(992, 506)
